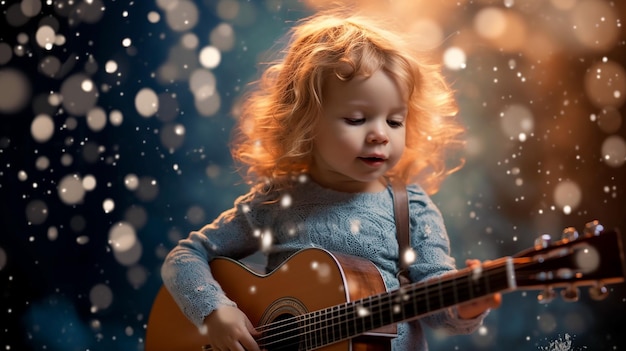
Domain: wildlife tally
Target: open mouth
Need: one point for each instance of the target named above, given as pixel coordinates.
(372, 161)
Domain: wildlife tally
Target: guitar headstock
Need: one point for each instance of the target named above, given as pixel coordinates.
(594, 258)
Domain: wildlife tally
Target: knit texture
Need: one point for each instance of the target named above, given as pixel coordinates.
(308, 215)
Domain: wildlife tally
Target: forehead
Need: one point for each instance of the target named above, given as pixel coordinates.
(378, 89)
(379, 82)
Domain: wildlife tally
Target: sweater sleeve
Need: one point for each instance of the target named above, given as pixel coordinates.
(186, 273)
(431, 245)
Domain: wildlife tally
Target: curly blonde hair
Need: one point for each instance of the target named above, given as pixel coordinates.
(273, 139)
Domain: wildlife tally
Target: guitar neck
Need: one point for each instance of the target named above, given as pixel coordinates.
(323, 327)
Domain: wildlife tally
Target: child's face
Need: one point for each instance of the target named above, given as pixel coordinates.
(360, 134)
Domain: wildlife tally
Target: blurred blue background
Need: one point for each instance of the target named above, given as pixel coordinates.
(114, 126)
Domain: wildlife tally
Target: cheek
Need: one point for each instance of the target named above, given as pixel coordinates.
(400, 136)
(337, 136)
(400, 144)
(322, 145)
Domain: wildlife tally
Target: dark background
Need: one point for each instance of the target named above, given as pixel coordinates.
(65, 286)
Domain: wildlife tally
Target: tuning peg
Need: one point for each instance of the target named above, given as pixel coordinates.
(570, 294)
(543, 241)
(594, 228)
(547, 295)
(598, 291)
(569, 234)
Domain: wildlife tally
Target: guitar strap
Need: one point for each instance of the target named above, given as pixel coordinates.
(401, 216)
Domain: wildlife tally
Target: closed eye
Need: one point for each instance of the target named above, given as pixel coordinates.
(395, 124)
(355, 121)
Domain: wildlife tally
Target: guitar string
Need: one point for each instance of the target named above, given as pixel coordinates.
(374, 302)
(382, 309)
(446, 286)
(314, 341)
(414, 288)
(318, 340)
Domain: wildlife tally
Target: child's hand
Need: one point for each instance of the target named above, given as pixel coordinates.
(229, 329)
(474, 308)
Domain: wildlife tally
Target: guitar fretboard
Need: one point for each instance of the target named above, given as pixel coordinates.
(320, 328)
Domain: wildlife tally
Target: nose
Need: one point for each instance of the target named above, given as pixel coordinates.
(377, 135)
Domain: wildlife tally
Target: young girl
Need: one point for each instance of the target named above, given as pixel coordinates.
(349, 107)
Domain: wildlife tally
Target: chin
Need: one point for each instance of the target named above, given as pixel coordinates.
(371, 180)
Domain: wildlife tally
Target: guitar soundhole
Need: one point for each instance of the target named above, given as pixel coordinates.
(281, 327)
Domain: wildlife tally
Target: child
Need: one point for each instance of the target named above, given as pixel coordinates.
(349, 107)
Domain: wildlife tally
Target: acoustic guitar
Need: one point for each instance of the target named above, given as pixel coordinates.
(319, 299)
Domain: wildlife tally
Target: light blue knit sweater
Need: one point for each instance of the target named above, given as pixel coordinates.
(309, 215)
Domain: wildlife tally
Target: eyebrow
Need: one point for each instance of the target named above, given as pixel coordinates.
(365, 103)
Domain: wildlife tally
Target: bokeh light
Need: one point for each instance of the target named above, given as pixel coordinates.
(101, 297)
(517, 121)
(567, 196)
(455, 59)
(605, 84)
(595, 24)
(122, 237)
(71, 190)
(3, 258)
(147, 102)
(14, 90)
(42, 128)
(614, 151)
(609, 120)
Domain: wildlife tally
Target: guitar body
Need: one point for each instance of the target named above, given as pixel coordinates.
(311, 280)
(319, 300)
